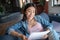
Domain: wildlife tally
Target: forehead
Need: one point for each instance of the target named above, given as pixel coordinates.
(31, 8)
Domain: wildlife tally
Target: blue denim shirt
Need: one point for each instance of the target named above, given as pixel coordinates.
(38, 18)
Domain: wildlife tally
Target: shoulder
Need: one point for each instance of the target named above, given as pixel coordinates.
(38, 18)
(16, 25)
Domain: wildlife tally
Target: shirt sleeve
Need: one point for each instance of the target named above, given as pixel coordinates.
(44, 22)
(49, 26)
(14, 27)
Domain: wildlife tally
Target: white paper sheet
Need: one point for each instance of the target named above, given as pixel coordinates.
(38, 35)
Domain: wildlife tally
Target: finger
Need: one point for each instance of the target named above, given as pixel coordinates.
(45, 36)
(25, 38)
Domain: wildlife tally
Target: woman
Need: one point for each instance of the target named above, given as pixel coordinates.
(30, 24)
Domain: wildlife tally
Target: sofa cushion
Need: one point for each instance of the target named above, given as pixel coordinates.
(9, 20)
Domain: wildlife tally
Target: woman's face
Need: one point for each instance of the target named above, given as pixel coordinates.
(30, 13)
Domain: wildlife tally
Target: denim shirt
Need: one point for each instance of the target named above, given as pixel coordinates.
(38, 18)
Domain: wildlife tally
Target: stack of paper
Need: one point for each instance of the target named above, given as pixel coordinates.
(37, 35)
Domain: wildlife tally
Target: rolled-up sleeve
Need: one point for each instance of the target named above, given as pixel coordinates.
(14, 27)
(53, 35)
(45, 23)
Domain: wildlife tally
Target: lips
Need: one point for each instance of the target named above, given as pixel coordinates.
(29, 16)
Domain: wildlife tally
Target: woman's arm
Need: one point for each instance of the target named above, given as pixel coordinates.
(13, 30)
(14, 33)
(53, 34)
(46, 36)
(45, 23)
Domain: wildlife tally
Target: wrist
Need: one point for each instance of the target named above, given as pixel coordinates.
(20, 35)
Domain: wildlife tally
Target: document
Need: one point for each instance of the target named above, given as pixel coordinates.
(38, 35)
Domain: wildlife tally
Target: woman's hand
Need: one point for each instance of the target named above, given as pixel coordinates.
(23, 37)
(48, 30)
(45, 36)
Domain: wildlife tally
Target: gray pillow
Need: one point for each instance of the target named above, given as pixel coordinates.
(11, 17)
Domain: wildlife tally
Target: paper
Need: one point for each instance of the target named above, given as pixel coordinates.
(38, 35)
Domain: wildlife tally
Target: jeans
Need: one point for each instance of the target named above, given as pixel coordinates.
(7, 37)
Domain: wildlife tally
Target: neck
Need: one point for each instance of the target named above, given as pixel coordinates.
(30, 20)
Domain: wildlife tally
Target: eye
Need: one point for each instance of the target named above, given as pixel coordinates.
(29, 11)
(33, 11)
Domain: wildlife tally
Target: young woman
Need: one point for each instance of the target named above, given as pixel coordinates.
(32, 23)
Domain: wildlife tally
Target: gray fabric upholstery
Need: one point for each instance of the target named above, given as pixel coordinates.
(9, 20)
(10, 17)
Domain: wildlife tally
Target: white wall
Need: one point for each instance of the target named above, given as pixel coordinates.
(54, 9)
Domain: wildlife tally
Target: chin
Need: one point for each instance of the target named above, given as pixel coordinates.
(31, 18)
